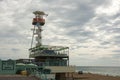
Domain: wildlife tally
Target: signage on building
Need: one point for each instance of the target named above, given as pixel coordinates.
(8, 65)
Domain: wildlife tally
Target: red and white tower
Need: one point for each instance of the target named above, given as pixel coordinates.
(38, 22)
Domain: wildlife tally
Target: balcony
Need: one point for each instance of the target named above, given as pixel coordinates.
(38, 54)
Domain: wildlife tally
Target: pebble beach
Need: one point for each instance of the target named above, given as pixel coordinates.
(90, 76)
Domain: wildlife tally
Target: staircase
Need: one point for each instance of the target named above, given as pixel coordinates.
(17, 77)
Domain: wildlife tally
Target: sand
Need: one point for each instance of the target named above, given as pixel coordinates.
(89, 76)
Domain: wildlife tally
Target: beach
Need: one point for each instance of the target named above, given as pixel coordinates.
(76, 76)
(90, 76)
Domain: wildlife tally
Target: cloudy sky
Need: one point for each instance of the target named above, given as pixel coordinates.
(91, 28)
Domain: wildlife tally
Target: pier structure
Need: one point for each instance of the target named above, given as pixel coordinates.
(53, 58)
(46, 55)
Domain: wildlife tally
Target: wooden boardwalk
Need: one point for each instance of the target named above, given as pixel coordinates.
(17, 77)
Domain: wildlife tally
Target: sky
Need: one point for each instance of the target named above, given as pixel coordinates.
(91, 28)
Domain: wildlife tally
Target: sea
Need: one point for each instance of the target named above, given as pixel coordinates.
(103, 70)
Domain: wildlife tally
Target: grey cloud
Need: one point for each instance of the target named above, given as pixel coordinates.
(116, 40)
(114, 30)
(109, 60)
(81, 35)
(116, 56)
(9, 33)
(82, 46)
(15, 49)
(117, 37)
(116, 51)
(109, 30)
(105, 43)
(77, 16)
(85, 54)
(100, 47)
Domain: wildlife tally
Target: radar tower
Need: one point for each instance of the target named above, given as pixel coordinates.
(38, 22)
